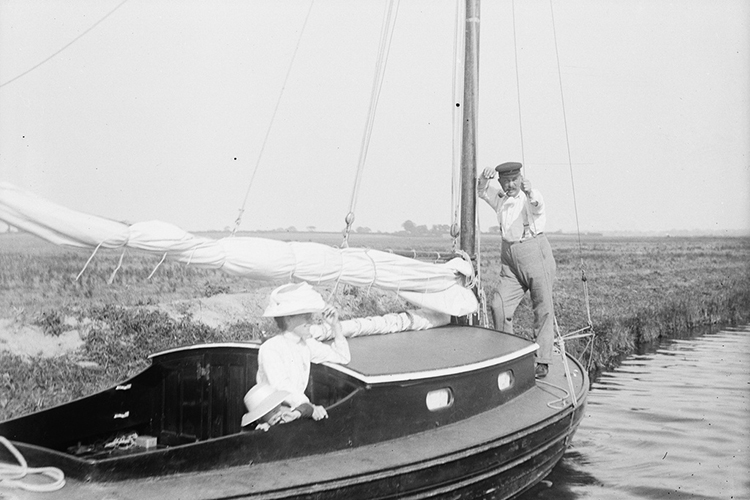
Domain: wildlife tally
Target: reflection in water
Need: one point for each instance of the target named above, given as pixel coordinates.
(669, 424)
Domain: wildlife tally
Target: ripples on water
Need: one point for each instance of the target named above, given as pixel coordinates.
(674, 423)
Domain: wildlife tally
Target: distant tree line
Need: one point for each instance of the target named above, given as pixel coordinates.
(409, 228)
(413, 229)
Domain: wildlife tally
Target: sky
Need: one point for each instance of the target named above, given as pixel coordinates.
(629, 115)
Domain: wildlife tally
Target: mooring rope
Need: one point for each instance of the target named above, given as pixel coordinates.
(11, 476)
(553, 404)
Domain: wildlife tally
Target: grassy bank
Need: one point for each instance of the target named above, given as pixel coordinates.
(639, 290)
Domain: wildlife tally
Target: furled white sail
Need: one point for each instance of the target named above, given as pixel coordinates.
(421, 319)
(439, 287)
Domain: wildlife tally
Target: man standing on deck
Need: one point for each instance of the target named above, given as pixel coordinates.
(526, 257)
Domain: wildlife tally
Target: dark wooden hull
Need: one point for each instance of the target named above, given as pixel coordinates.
(493, 445)
(419, 466)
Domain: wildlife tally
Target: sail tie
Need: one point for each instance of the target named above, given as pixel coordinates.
(89, 260)
(119, 265)
(163, 257)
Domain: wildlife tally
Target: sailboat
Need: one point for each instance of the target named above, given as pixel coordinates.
(452, 411)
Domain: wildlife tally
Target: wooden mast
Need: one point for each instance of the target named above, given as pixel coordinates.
(467, 218)
(468, 206)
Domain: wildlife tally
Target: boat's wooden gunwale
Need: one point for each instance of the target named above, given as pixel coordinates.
(382, 465)
(419, 355)
(389, 411)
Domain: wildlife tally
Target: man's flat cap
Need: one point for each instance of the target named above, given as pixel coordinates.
(508, 168)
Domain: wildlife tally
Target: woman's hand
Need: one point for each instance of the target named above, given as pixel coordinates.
(330, 315)
(319, 413)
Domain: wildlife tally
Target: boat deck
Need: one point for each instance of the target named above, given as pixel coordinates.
(444, 348)
(535, 409)
(410, 354)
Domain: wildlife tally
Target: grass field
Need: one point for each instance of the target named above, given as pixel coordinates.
(639, 290)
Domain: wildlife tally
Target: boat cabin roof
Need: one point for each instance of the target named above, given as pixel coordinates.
(427, 353)
(413, 355)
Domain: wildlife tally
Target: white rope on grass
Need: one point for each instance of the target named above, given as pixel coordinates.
(89, 260)
(11, 476)
(119, 265)
(163, 257)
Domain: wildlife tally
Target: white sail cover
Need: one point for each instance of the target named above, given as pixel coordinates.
(439, 287)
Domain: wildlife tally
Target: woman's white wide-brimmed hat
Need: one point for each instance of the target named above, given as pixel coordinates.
(259, 400)
(294, 298)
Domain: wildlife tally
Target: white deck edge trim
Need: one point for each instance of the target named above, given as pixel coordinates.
(442, 372)
(376, 379)
(214, 345)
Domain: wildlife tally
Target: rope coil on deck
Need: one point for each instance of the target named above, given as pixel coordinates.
(11, 476)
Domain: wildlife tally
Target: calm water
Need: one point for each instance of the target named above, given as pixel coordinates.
(670, 424)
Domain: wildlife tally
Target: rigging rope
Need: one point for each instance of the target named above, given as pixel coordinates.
(64, 46)
(584, 280)
(518, 89)
(577, 333)
(459, 44)
(238, 221)
(386, 34)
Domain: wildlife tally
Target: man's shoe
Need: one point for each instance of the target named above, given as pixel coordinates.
(541, 370)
